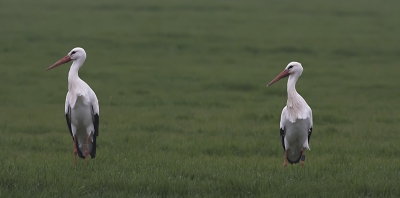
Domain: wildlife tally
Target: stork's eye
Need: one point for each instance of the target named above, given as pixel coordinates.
(73, 52)
(290, 67)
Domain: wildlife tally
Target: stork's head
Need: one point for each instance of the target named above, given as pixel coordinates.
(77, 53)
(293, 68)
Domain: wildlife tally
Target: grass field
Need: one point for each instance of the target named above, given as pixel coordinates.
(184, 108)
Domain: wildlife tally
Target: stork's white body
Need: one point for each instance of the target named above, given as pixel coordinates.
(81, 107)
(296, 134)
(296, 118)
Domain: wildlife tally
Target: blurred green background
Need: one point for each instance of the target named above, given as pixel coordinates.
(184, 108)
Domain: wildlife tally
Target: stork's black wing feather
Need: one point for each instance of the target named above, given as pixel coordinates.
(283, 138)
(309, 134)
(96, 121)
(68, 118)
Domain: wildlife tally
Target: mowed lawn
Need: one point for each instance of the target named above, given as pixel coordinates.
(184, 108)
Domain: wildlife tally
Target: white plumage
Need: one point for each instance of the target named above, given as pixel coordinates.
(81, 107)
(296, 118)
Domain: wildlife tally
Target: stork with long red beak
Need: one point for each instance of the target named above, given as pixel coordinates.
(296, 118)
(81, 107)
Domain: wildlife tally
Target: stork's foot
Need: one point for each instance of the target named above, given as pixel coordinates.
(86, 156)
(75, 153)
(285, 160)
(303, 158)
(87, 149)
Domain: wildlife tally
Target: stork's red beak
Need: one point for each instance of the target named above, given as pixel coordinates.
(283, 74)
(66, 59)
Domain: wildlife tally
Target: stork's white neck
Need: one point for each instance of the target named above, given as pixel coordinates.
(291, 87)
(73, 76)
(73, 71)
(296, 105)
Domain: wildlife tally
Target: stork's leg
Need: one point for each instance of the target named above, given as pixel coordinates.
(285, 159)
(303, 157)
(87, 149)
(75, 150)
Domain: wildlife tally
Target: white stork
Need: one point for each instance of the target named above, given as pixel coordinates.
(81, 107)
(296, 118)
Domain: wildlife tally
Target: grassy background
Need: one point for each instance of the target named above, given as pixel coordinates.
(184, 111)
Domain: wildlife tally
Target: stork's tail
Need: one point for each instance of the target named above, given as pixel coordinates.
(293, 157)
(81, 148)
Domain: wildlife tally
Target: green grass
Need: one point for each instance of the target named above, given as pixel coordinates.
(184, 108)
